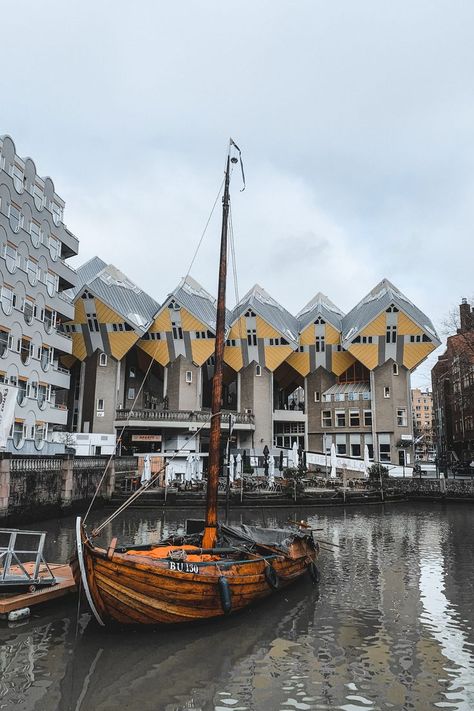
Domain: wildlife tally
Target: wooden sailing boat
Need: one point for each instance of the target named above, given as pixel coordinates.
(189, 578)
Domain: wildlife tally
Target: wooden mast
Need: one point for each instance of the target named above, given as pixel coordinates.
(210, 530)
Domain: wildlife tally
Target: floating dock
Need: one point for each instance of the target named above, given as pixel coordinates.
(65, 585)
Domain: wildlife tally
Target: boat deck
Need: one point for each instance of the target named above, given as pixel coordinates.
(64, 586)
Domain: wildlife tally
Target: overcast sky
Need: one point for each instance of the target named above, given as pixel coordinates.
(355, 120)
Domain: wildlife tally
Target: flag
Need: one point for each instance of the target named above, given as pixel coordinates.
(8, 395)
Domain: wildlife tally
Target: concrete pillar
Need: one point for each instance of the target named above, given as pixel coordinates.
(109, 484)
(67, 480)
(4, 484)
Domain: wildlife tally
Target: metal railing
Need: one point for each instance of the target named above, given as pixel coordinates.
(241, 418)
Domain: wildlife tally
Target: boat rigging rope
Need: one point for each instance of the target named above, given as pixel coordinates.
(147, 484)
(205, 227)
(119, 438)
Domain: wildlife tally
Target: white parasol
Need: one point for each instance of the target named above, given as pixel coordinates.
(295, 455)
(333, 461)
(146, 473)
(238, 461)
(188, 475)
(231, 468)
(271, 471)
(366, 461)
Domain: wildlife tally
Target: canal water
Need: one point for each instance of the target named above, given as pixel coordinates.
(390, 626)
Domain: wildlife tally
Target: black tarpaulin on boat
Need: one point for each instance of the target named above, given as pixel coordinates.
(274, 537)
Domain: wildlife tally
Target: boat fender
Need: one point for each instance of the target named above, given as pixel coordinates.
(16, 615)
(225, 594)
(271, 577)
(314, 573)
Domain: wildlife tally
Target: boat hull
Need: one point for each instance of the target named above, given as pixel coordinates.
(136, 590)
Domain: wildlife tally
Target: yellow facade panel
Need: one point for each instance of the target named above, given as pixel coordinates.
(79, 349)
(406, 327)
(79, 312)
(233, 357)
(377, 327)
(275, 355)
(105, 314)
(366, 353)
(162, 322)
(264, 330)
(239, 329)
(190, 323)
(156, 349)
(67, 361)
(307, 336)
(202, 349)
(341, 361)
(300, 362)
(332, 336)
(121, 342)
(414, 353)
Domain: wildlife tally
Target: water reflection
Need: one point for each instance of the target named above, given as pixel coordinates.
(390, 627)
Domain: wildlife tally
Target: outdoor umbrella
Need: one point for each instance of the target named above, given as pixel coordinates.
(239, 464)
(366, 461)
(271, 471)
(295, 455)
(189, 468)
(169, 474)
(333, 461)
(196, 472)
(146, 474)
(280, 466)
(231, 468)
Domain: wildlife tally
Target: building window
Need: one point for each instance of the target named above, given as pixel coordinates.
(93, 323)
(320, 346)
(100, 404)
(386, 392)
(258, 370)
(368, 418)
(317, 396)
(131, 394)
(132, 373)
(340, 418)
(230, 342)
(251, 337)
(395, 368)
(177, 331)
(384, 452)
(103, 359)
(391, 336)
(392, 309)
(367, 339)
(355, 449)
(35, 232)
(16, 218)
(354, 418)
(188, 376)
(402, 417)
(341, 446)
(326, 418)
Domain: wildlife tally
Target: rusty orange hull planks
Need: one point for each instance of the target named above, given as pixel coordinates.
(132, 589)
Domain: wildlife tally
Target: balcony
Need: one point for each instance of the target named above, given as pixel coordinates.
(181, 418)
(289, 416)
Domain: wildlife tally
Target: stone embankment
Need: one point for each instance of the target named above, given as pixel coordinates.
(32, 488)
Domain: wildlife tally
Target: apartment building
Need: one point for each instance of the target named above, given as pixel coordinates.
(34, 247)
(453, 393)
(317, 378)
(422, 409)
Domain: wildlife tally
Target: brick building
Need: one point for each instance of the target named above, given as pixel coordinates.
(453, 393)
(422, 409)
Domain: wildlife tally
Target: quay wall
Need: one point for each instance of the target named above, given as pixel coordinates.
(36, 487)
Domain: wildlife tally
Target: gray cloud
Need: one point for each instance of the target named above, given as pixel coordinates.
(355, 119)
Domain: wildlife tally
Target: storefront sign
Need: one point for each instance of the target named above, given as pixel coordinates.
(146, 438)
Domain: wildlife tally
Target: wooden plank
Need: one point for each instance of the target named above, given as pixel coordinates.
(64, 586)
